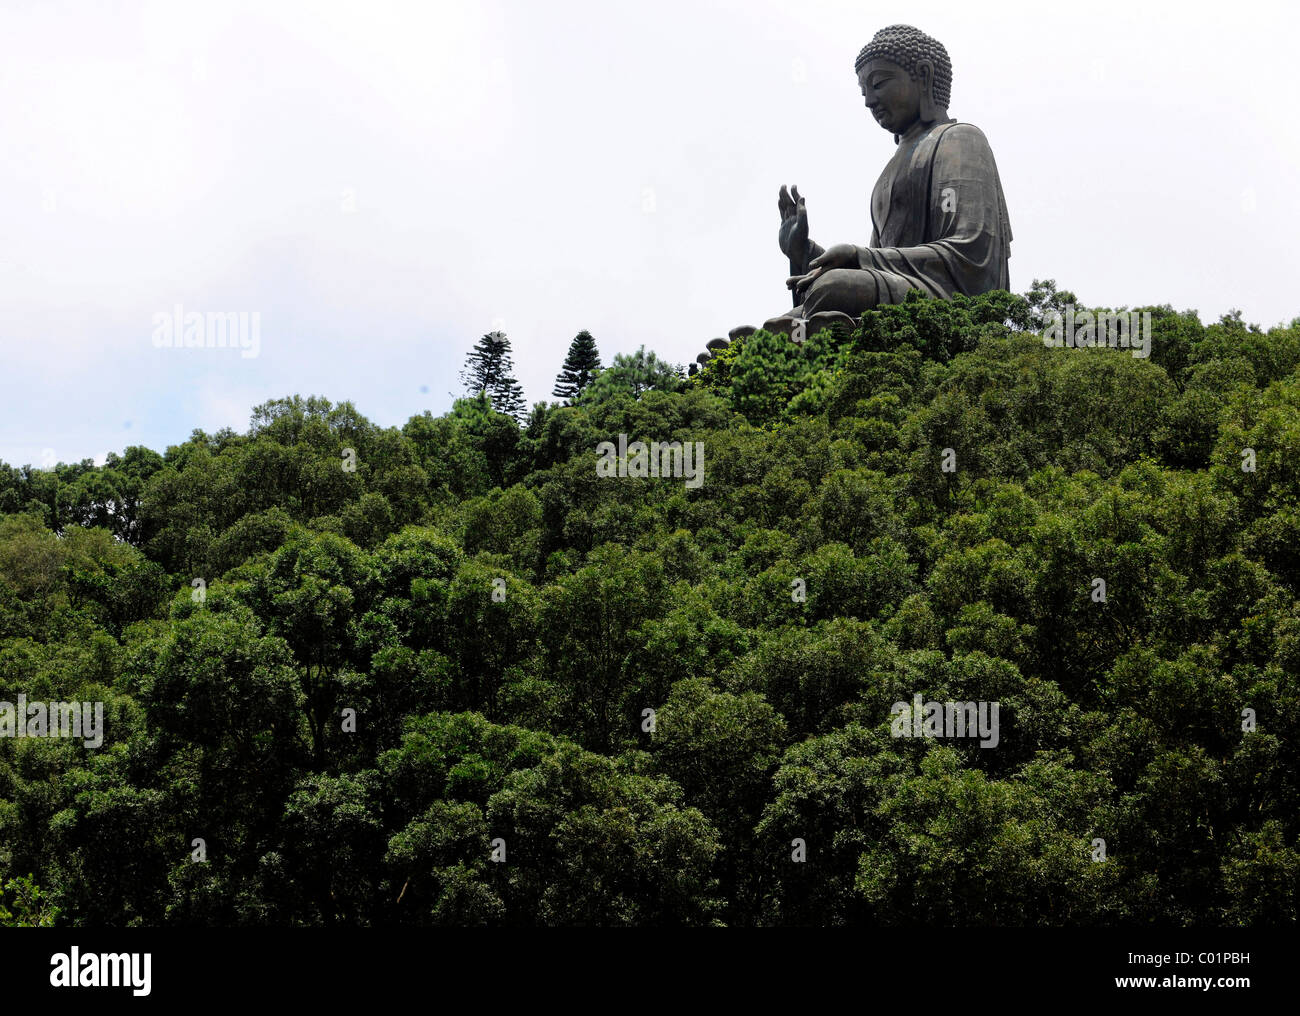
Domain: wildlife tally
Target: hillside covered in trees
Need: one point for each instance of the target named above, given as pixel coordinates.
(449, 674)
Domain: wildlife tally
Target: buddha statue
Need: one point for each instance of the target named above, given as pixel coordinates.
(939, 220)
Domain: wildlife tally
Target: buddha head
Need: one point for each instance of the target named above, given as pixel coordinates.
(905, 77)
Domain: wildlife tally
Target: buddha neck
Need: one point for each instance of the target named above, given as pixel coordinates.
(920, 127)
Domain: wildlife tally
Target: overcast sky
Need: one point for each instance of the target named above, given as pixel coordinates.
(385, 182)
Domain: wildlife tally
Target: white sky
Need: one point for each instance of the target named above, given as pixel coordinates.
(385, 182)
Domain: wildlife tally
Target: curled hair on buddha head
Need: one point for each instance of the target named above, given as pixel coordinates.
(905, 45)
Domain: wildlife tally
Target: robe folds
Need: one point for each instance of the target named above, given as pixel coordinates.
(939, 224)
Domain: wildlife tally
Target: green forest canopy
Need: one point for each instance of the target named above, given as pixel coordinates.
(497, 620)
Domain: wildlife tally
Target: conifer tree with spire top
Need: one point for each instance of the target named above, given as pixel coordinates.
(580, 366)
(489, 370)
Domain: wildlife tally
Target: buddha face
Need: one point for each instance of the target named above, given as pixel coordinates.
(892, 96)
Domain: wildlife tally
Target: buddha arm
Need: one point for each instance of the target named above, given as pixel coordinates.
(799, 265)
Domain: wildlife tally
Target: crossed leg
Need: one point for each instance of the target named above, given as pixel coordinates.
(839, 294)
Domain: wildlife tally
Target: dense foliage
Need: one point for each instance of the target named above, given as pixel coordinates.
(416, 690)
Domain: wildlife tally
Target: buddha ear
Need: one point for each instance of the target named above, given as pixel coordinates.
(925, 78)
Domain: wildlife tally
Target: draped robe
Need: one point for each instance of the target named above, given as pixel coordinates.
(939, 224)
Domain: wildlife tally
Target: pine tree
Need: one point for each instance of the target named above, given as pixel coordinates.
(580, 366)
(488, 369)
(508, 398)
